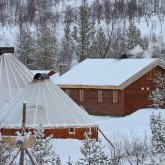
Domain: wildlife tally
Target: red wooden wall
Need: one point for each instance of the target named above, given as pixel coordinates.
(130, 99)
(91, 104)
(136, 94)
(62, 133)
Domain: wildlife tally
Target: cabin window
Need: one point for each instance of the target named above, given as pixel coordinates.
(67, 91)
(100, 96)
(115, 97)
(72, 131)
(150, 75)
(81, 95)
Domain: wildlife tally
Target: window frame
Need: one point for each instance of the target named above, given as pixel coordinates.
(67, 91)
(81, 95)
(150, 75)
(72, 130)
(100, 96)
(115, 96)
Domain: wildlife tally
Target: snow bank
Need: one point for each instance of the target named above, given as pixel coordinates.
(137, 123)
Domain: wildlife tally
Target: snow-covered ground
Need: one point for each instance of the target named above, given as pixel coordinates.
(136, 124)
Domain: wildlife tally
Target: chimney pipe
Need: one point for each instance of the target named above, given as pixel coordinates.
(6, 50)
(124, 56)
(62, 68)
(52, 72)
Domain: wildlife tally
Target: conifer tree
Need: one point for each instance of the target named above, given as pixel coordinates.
(4, 152)
(69, 162)
(93, 152)
(57, 160)
(156, 52)
(26, 47)
(83, 33)
(88, 150)
(98, 48)
(134, 37)
(119, 47)
(157, 126)
(46, 49)
(102, 158)
(66, 53)
(158, 96)
(42, 148)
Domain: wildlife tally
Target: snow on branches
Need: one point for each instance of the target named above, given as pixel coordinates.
(157, 126)
(92, 152)
(158, 96)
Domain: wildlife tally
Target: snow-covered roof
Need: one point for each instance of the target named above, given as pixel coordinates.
(14, 76)
(46, 104)
(108, 73)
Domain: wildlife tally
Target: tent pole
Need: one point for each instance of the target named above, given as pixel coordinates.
(23, 134)
(30, 156)
(22, 156)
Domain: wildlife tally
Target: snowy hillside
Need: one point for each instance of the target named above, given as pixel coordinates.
(112, 16)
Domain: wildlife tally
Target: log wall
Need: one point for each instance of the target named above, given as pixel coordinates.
(130, 99)
(91, 104)
(136, 94)
(61, 133)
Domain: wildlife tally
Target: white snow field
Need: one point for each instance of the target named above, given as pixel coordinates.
(136, 124)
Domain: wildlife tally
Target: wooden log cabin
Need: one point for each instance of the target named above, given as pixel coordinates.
(112, 87)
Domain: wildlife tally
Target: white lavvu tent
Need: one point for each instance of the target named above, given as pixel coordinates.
(46, 104)
(14, 76)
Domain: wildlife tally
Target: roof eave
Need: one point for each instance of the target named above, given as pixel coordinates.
(49, 126)
(161, 63)
(88, 86)
(141, 73)
(156, 62)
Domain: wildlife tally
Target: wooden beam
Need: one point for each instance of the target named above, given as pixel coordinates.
(22, 152)
(33, 160)
(106, 138)
(88, 86)
(22, 156)
(24, 118)
(11, 140)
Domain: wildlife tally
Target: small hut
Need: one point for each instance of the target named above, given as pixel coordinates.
(48, 105)
(14, 76)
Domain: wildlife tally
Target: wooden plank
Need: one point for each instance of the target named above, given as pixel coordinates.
(136, 94)
(106, 138)
(92, 106)
(22, 155)
(11, 140)
(31, 157)
(87, 86)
